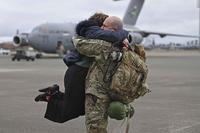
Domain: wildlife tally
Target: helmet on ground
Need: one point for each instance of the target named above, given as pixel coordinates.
(119, 111)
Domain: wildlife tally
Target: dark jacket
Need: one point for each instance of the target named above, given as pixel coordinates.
(88, 29)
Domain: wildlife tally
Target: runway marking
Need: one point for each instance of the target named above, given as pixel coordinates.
(185, 127)
(15, 70)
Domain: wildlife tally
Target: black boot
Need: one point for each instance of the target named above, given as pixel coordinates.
(43, 97)
(50, 90)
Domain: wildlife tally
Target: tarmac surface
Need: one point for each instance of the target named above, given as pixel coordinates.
(173, 106)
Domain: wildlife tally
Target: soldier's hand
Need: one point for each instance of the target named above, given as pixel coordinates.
(125, 43)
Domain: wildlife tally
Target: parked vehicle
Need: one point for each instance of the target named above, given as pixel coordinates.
(22, 54)
(4, 51)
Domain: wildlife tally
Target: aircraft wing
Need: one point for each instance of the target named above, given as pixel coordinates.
(145, 33)
(138, 35)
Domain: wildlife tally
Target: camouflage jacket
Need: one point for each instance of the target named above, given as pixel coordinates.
(100, 50)
(93, 48)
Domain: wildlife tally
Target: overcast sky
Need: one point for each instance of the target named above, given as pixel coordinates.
(173, 16)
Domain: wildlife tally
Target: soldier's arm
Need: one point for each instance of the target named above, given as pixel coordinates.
(95, 32)
(90, 29)
(90, 47)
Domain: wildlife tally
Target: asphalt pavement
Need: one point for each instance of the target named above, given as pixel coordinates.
(173, 106)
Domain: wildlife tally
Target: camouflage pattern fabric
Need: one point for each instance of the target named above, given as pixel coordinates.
(91, 47)
(96, 114)
(139, 50)
(99, 50)
(128, 83)
(97, 99)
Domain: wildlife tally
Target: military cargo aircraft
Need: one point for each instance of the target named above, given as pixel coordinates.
(56, 37)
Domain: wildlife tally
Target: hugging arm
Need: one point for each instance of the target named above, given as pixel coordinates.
(91, 47)
(95, 32)
(89, 29)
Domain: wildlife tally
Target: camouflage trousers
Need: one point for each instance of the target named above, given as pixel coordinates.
(96, 114)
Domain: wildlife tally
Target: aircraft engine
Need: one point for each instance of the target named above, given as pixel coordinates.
(136, 38)
(20, 40)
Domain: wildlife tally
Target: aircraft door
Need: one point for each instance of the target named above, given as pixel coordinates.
(60, 49)
(45, 43)
(45, 39)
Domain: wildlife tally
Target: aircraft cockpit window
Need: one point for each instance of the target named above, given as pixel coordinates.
(66, 32)
(58, 31)
(36, 29)
(53, 31)
(44, 29)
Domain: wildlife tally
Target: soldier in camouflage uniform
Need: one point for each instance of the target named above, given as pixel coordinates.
(97, 91)
(97, 99)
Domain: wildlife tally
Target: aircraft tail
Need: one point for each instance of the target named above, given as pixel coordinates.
(132, 12)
